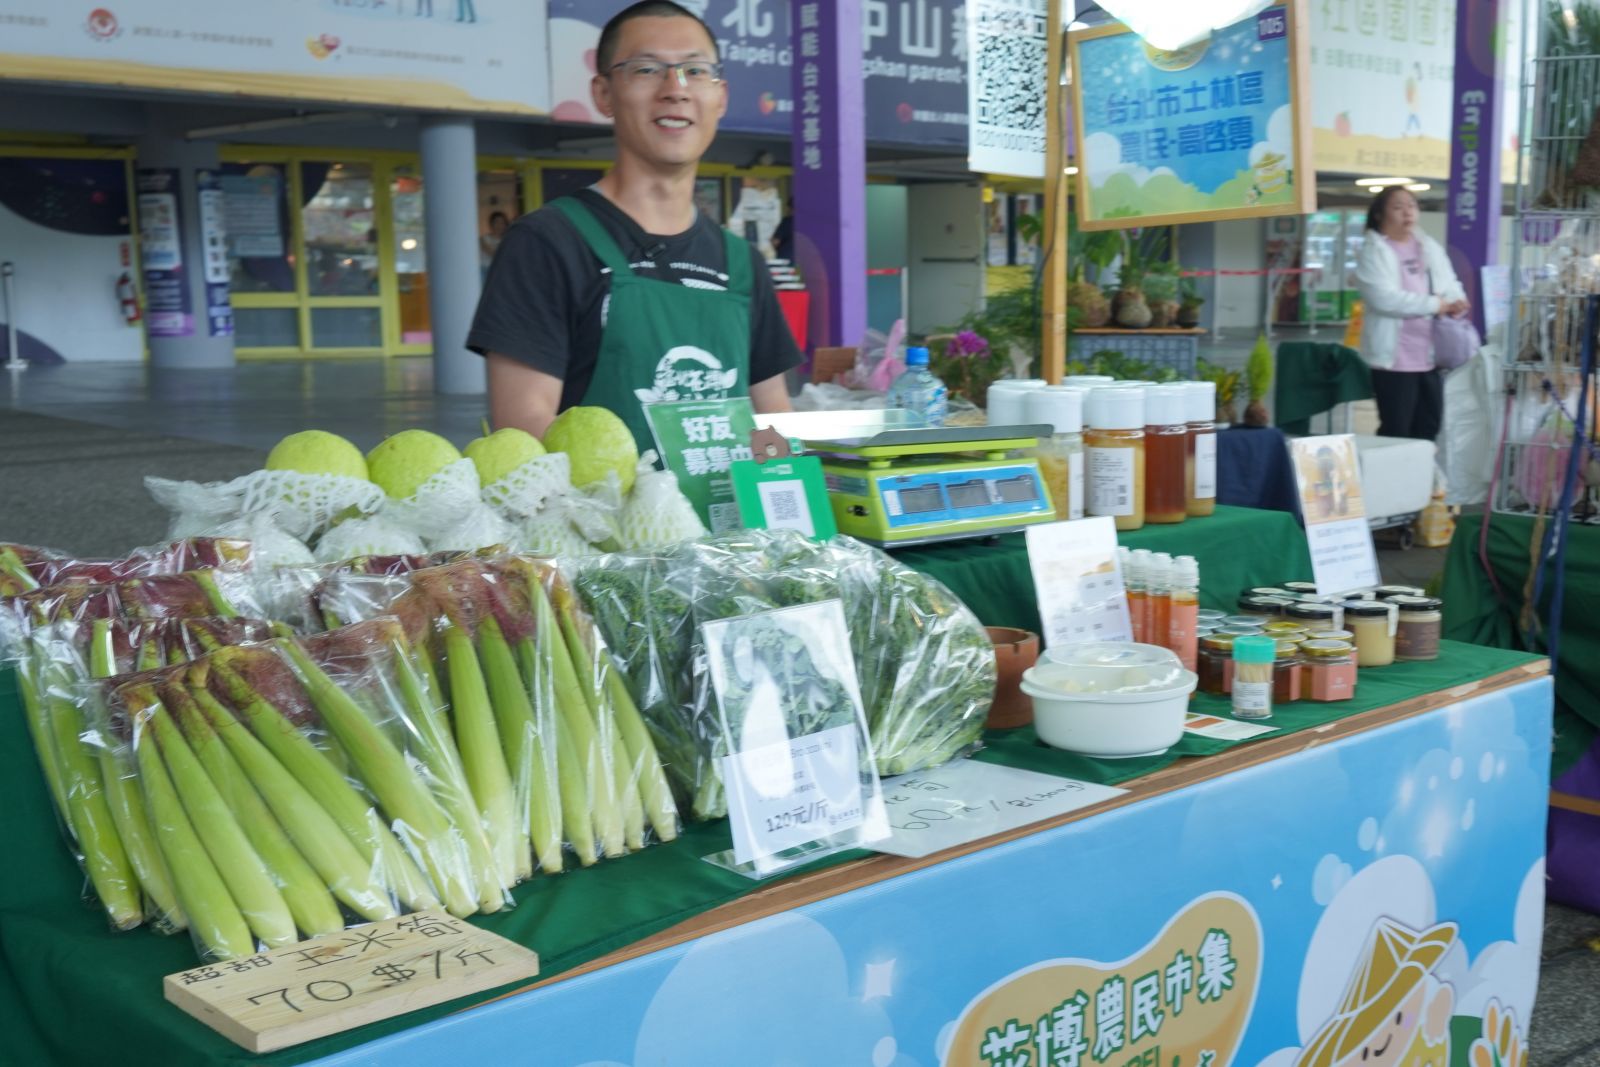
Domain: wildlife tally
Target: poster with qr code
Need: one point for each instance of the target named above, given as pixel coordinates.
(700, 441)
(784, 494)
(1217, 129)
(1007, 50)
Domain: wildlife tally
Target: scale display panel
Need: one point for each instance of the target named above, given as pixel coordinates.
(955, 496)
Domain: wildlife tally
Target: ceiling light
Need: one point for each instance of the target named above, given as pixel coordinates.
(1380, 182)
(1069, 170)
(1419, 187)
(409, 243)
(1171, 24)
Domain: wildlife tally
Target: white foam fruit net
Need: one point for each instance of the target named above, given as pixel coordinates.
(438, 503)
(302, 505)
(524, 491)
(368, 535)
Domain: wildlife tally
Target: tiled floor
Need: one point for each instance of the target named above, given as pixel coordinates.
(75, 442)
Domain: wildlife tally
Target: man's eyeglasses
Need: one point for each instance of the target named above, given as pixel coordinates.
(692, 73)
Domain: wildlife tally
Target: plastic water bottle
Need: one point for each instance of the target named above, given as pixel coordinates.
(917, 390)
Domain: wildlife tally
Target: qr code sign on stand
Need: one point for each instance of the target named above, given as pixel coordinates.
(785, 506)
(1010, 49)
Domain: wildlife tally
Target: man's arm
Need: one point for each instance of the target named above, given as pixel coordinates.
(771, 396)
(523, 397)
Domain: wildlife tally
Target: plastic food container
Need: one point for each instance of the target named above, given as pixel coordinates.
(1113, 699)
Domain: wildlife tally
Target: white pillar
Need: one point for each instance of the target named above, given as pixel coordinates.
(450, 218)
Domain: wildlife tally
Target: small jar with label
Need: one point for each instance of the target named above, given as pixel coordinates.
(1384, 592)
(1314, 616)
(1114, 457)
(1253, 658)
(1263, 607)
(1248, 624)
(1214, 664)
(1331, 635)
(1269, 590)
(1210, 617)
(1166, 435)
(1418, 628)
(1200, 458)
(1286, 631)
(1300, 589)
(1286, 672)
(1373, 622)
(1328, 670)
(1060, 456)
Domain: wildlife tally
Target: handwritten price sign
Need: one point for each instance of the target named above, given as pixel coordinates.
(339, 981)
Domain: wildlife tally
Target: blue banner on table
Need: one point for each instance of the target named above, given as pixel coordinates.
(1210, 131)
(915, 64)
(169, 311)
(1384, 892)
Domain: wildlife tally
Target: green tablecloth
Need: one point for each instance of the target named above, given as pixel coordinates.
(71, 991)
(1313, 377)
(1473, 613)
(1236, 547)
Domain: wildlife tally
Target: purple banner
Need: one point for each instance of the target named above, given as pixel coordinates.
(830, 169)
(168, 309)
(915, 66)
(1472, 219)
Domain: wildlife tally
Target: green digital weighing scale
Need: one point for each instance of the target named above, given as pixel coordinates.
(894, 481)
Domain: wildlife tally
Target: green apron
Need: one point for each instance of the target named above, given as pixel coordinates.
(665, 341)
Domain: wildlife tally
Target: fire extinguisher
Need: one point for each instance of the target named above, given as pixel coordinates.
(128, 298)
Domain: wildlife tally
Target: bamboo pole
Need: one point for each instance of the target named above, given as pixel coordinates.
(1053, 280)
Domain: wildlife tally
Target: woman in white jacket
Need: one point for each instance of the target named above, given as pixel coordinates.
(1405, 279)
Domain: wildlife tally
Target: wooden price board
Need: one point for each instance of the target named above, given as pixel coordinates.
(340, 981)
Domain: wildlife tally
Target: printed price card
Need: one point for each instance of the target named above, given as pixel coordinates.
(339, 981)
(1220, 729)
(1078, 582)
(799, 773)
(968, 800)
(1328, 473)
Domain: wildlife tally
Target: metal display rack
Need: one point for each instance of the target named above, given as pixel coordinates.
(1555, 269)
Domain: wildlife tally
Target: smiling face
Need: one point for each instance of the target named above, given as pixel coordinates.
(1393, 1038)
(661, 121)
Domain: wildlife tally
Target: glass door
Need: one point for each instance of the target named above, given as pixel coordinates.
(340, 226)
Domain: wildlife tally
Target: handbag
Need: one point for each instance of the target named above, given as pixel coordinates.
(1455, 341)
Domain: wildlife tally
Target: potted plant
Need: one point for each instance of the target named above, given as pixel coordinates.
(1161, 284)
(1098, 250)
(1189, 303)
(1227, 383)
(1129, 307)
(968, 366)
(1258, 377)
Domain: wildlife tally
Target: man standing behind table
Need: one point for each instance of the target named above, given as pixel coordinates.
(623, 294)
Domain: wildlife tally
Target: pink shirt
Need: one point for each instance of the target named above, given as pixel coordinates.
(1414, 350)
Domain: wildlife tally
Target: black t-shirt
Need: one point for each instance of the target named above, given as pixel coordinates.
(544, 300)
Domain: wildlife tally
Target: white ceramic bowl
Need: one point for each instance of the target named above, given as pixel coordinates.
(1113, 725)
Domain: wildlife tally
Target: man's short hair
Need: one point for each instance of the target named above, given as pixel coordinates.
(605, 52)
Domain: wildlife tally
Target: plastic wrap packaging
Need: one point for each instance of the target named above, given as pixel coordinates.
(439, 503)
(656, 513)
(925, 663)
(367, 535)
(287, 779)
(190, 594)
(534, 702)
(614, 725)
(523, 492)
(302, 505)
(100, 808)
